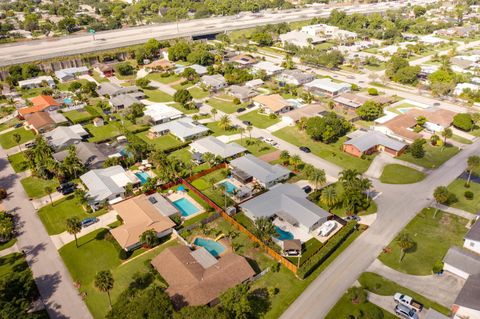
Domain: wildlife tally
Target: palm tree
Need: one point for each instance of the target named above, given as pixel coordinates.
(405, 243)
(209, 158)
(249, 129)
(302, 123)
(17, 138)
(317, 177)
(447, 133)
(104, 282)
(49, 192)
(473, 163)
(329, 197)
(225, 123)
(264, 229)
(285, 157)
(81, 196)
(214, 112)
(241, 130)
(74, 226)
(295, 160)
(149, 238)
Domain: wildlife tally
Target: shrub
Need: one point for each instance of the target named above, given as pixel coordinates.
(372, 91)
(437, 267)
(236, 101)
(463, 121)
(123, 254)
(275, 267)
(357, 295)
(3, 193)
(468, 195)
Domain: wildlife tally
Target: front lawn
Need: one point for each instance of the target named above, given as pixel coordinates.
(330, 152)
(54, 216)
(434, 157)
(225, 106)
(157, 95)
(458, 188)
(160, 77)
(162, 142)
(433, 236)
(7, 140)
(180, 107)
(255, 146)
(399, 174)
(9, 124)
(217, 131)
(19, 162)
(259, 120)
(77, 116)
(102, 133)
(35, 187)
(345, 308)
(198, 93)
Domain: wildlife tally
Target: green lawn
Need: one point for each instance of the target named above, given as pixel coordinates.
(399, 174)
(7, 140)
(460, 139)
(101, 248)
(434, 157)
(99, 78)
(225, 106)
(259, 120)
(157, 95)
(185, 156)
(65, 86)
(345, 308)
(76, 116)
(330, 152)
(217, 131)
(35, 187)
(8, 244)
(458, 188)
(19, 162)
(104, 132)
(29, 93)
(198, 93)
(180, 107)
(163, 79)
(206, 185)
(255, 146)
(384, 287)
(54, 216)
(161, 143)
(9, 124)
(432, 237)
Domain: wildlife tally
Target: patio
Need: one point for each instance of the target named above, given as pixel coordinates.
(236, 190)
(297, 232)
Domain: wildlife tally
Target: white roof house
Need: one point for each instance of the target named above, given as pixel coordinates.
(211, 144)
(161, 113)
(184, 129)
(328, 87)
(36, 82)
(268, 67)
(249, 167)
(300, 39)
(200, 69)
(64, 136)
(68, 74)
(216, 81)
(328, 31)
(462, 86)
(430, 39)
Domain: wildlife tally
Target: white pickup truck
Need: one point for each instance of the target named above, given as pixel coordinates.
(407, 301)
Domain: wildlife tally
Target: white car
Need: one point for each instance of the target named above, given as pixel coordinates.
(270, 141)
(326, 228)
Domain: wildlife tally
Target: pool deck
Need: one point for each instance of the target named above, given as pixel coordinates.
(296, 231)
(179, 195)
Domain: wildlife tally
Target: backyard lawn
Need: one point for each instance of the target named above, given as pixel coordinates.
(7, 140)
(433, 236)
(255, 146)
(217, 131)
(434, 157)
(330, 152)
(259, 120)
(399, 174)
(185, 156)
(225, 106)
(102, 133)
(206, 183)
(161, 143)
(458, 188)
(77, 116)
(19, 162)
(157, 95)
(35, 187)
(54, 216)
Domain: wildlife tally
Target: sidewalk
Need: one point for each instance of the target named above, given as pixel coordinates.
(9, 250)
(381, 160)
(455, 211)
(45, 200)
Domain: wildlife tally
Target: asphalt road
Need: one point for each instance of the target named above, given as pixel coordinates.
(29, 51)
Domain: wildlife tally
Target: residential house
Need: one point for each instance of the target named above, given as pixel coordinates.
(463, 31)
(273, 103)
(363, 142)
(98, 121)
(243, 93)
(107, 185)
(199, 69)
(307, 111)
(467, 303)
(255, 83)
(295, 77)
(112, 90)
(68, 74)
(196, 277)
(289, 203)
(472, 238)
(249, 168)
(300, 39)
(160, 65)
(91, 155)
(39, 122)
(243, 60)
(122, 101)
(40, 103)
(163, 205)
(214, 82)
(139, 215)
(350, 100)
(211, 144)
(269, 68)
(162, 113)
(326, 87)
(63, 136)
(329, 32)
(106, 69)
(430, 39)
(461, 87)
(461, 262)
(37, 82)
(185, 129)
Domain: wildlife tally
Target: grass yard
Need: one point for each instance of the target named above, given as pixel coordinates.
(102, 133)
(8, 244)
(345, 308)
(217, 131)
(180, 107)
(99, 78)
(100, 247)
(29, 93)
(330, 152)
(225, 106)
(76, 116)
(54, 216)
(185, 156)
(434, 157)
(19, 162)
(460, 139)
(9, 124)
(255, 146)
(162, 79)
(259, 120)
(161, 143)
(7, 140)
(157, 95)
(384, 287)
(206, 183)
(399, 174)
(198, 93)
(458, 188)
(433, 236)
(35, 187)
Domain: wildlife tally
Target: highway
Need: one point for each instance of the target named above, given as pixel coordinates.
(36, 50)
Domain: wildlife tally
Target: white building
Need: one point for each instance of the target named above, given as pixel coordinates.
(327, 87)
(162, 113)
(214, 82)
(463, 86)
(300, 39)
(68, 74)
(268, 67)
(37, 82)
(328, 31)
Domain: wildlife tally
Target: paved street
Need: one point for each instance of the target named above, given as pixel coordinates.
(53, 280)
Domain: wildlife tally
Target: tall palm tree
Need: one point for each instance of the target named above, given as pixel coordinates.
(473, 163)
(82, 198)
(329, 197)
(285, 156)
(49, 192)
(225, 123)
(405, 243)
(249, 129)
(264, 229)
(104, 282)
(17, 138)
(295, 160)
(209, 158)
(317, 177)
(149, 238)
(441, 196)
(446, 133)
(241, 130)
(214, 112)
(74, 226)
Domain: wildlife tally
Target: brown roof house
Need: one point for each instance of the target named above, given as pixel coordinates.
(307, 111)
(368, 142)
(139, 215)
(39, 122)
(273, 103)
(243, 60)
(160, 65)
(198, 278)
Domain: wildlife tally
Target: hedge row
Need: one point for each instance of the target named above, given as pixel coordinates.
(326, 251)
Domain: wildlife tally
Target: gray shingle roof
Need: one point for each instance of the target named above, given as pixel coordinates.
(182, 128)
(124, 100)
(260, 170)
(63, 135)
(469, 295)
(88, 153)
(463, 259)
(370, 139)
(213, 145)
(105, 182)
(474, 232)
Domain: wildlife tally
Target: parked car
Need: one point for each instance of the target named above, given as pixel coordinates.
(307, 189)
(30, 145)
(407, 301)
(270, 141)
(66, 188)
(405, 312)
(305, 149)
(18, 125)
(247, 123)
(89, 221)
(352, 217)
(240, 109)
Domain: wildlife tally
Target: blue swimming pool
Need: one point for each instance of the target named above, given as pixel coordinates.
(282, 234)
(211, 246)
(68, 100)
(142, 176)
(230, 187)
(185, 207)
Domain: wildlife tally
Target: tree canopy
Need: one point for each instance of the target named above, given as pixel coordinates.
(328, 128)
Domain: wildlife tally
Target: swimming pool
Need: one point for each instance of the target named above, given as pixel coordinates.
(142, 176)
(211, 246)
(230, 187)
(282, 234)
(185, 207)
(68, 100)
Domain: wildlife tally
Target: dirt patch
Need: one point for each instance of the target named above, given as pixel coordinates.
(273, 156)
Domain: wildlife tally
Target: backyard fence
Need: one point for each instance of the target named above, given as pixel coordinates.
(206, 172)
